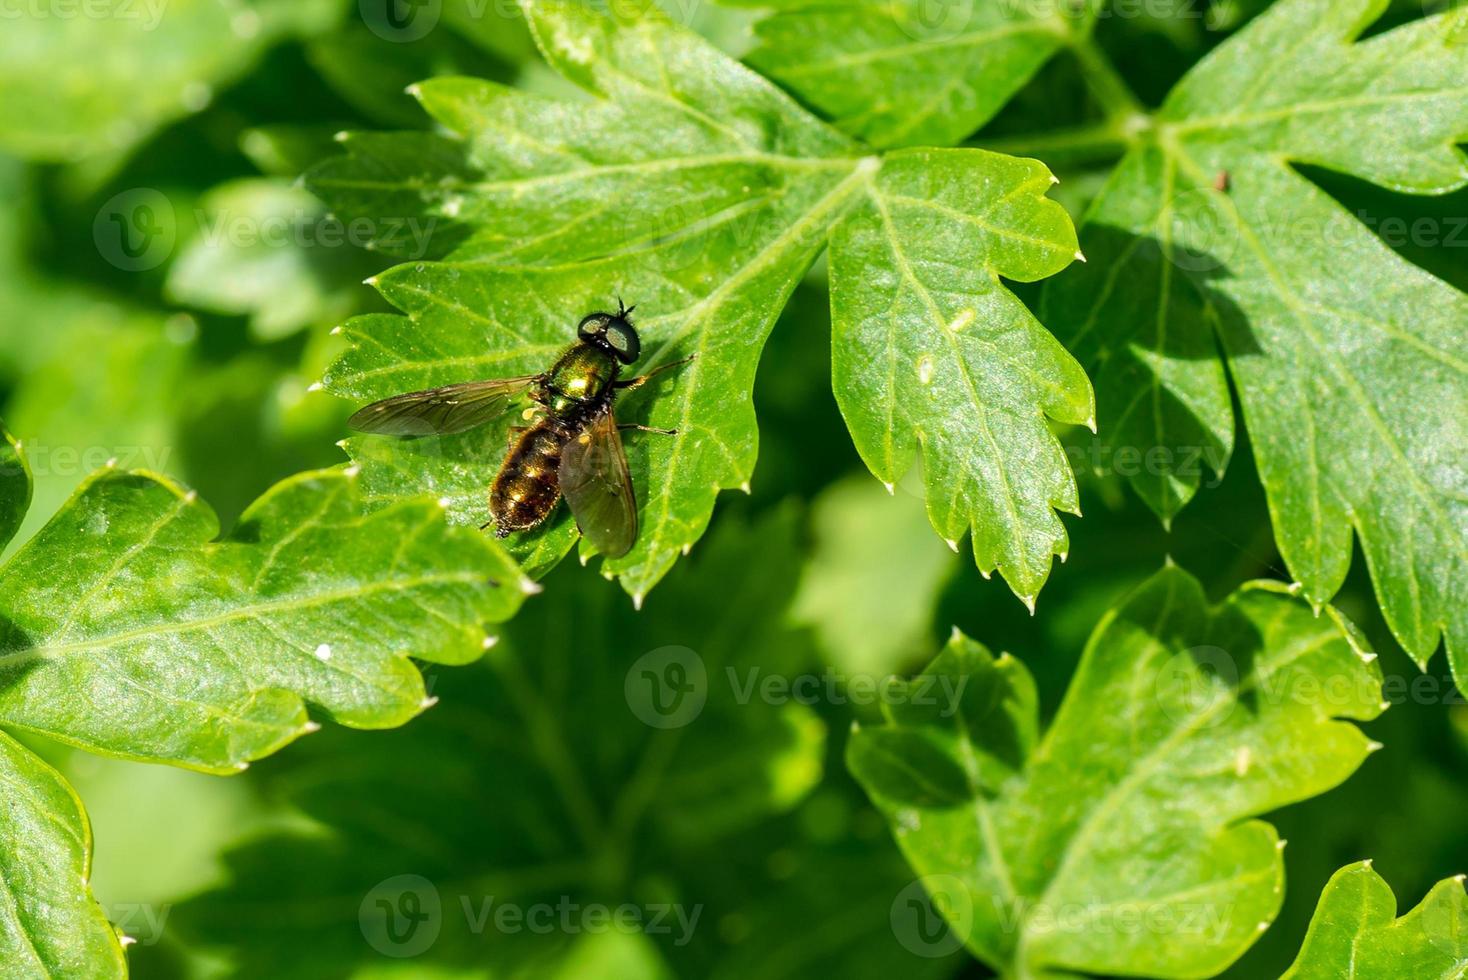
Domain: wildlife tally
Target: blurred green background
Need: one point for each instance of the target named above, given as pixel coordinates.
(144, 316)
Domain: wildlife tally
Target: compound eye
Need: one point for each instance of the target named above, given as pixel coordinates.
(592, 326)
(624, 341)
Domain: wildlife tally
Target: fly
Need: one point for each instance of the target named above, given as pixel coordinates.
(574, 450)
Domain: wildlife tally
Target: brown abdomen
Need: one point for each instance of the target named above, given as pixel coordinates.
(527, 487)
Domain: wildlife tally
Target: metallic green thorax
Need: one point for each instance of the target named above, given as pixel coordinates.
(580, 379)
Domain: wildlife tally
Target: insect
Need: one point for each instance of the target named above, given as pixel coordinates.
(573, 449)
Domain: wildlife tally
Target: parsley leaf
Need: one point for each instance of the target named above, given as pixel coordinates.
(125, 629)
(1350, 363)
(911, 72)
(49, 923)
(1356, 932)
(1205, 233)
(15, 488)
(694, 188)
(1181, 722)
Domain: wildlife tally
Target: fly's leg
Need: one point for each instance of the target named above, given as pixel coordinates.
(632, 383)
(499, 532)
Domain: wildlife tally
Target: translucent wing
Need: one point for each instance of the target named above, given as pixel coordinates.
(441, 411)
(593, 477)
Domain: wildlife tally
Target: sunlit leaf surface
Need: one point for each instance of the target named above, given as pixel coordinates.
(50, 926)
(1350, 363)
(910, 72)
(1181, 724)
(127, 629)
(551, 208)
(1356, 932)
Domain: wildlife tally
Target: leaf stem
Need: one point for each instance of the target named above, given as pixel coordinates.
(1092, 143)
(1126, 119)
(1107, 86)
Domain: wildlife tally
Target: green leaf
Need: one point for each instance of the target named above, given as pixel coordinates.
(269, 250)
(551, 208)
(1181, 723)
(931, 349)
(68, 94)
(128, 631)
(1355, 931)
(564, 768)
(15, 487)
(909, 72)
(50, 925)
(1206, 234)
